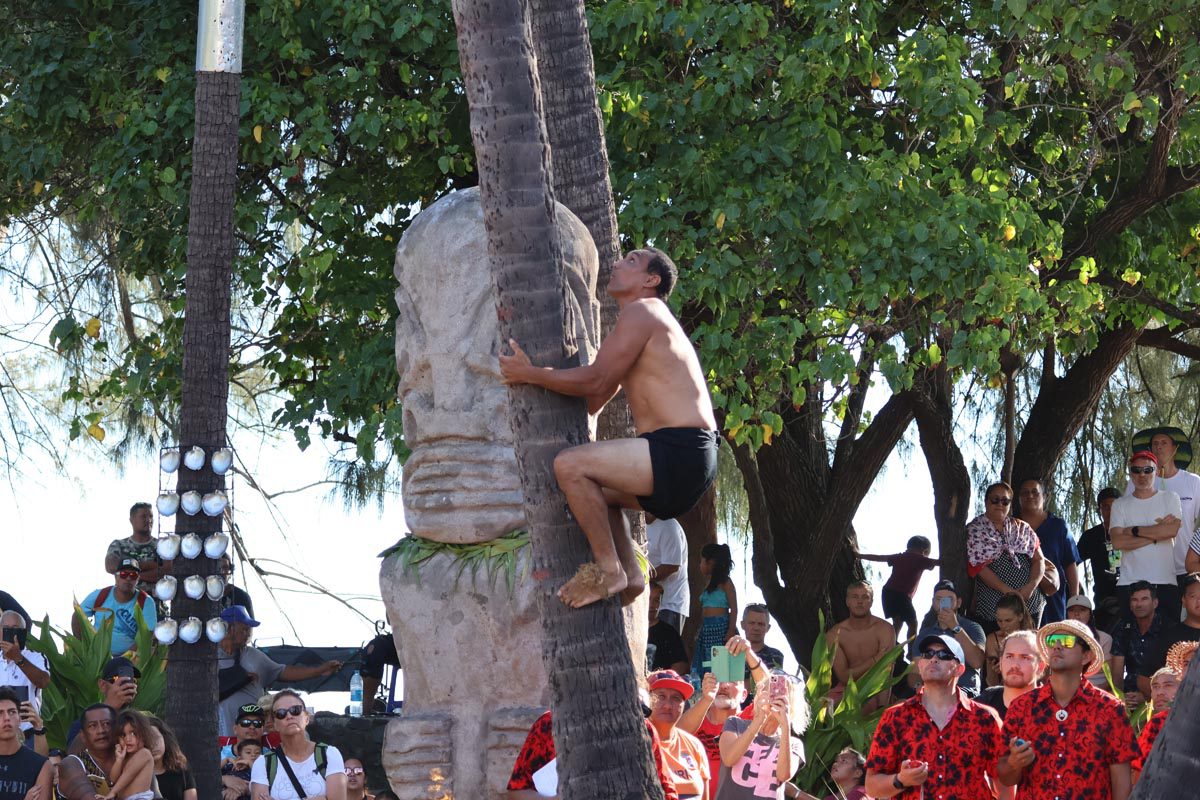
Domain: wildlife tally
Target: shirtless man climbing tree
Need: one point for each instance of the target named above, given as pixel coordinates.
(673, 460)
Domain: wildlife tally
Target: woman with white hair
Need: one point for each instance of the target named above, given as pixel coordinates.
(760, 755)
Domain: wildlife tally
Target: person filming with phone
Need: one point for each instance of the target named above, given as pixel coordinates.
(760, 755)
(21, 669)
(944, 619)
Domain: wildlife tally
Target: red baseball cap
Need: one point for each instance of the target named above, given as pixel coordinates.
(1146, 454)
(670, 679)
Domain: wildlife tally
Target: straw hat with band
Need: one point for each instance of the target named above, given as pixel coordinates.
(1083, 636)
(1183, 455)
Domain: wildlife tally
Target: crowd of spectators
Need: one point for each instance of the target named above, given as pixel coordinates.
(116, 752)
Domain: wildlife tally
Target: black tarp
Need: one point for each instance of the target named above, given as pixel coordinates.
(288, 654)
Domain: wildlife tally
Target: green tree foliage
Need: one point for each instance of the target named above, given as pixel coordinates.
(911, 181)
(352, 119)
(909, 184)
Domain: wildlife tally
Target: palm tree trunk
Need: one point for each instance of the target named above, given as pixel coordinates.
(602, 745)
(579, 156)
(191, 696)
(1172, 770)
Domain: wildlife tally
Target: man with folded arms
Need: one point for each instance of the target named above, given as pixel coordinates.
(1144, 526)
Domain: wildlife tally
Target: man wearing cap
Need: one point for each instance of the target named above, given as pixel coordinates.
(1096, 549)
(685, 759)
(245, 672)
(939, 744)
(248, 727)
(944, 618)
(1021, 668)
(1067, 739)
(1186, 631)
(1171, 447)
(120, 602)
(1144, 526)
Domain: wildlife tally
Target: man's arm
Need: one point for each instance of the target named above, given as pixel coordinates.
(73, 782)
(1117, 668)
(868, 557)
(152, 571)
(693, 718)
(663, 571)
(112, 559)
(295, 672)
(1124, 540)
(1164, 529)
(1072, 571)
(841, 664)
(975, 655)
(602, 377)
(1122, 780)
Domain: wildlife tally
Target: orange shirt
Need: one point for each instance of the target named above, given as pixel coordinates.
(686, 763)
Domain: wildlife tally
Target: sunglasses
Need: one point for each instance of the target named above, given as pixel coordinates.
(128, 574)
(354, 770)
(251, 723)
(1141, 470)
(939, 655)
(295, 711)
(1067, 640)
(1000, 501)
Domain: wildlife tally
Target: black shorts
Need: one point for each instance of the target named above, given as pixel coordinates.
(684, 463)
(898, 605)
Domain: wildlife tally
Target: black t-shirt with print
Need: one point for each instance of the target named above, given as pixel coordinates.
(19, 773)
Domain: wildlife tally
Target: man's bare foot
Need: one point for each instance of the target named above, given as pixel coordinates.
(635, 585)
(591, 584)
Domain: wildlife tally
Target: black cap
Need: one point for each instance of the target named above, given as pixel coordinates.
(120, 667)
(251, 710)
(129, 563)
(945, 585)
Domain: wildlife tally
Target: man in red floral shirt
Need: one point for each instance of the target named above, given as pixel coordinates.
(538, 751)
(1068, 740)
(1164, 685)
(940, 744)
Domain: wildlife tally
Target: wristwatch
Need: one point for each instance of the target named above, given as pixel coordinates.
(1136, 531)
(897, 782)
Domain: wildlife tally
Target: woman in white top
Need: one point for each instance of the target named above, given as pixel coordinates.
(317, 771)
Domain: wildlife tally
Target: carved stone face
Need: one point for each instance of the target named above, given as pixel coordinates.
(460, 484)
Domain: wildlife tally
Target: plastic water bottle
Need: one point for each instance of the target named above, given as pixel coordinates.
(356, 699)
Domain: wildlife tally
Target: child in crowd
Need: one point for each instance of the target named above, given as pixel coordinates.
(902, 583)
(718, 605)
(247, 752)
(132, 773)
(848, 772)
(1163, 687)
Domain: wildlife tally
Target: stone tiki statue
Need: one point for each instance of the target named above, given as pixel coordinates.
(470, 646)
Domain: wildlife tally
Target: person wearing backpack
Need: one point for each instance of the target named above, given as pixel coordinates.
(299, 768)
(119, 602)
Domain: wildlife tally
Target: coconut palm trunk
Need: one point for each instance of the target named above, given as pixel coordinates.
(191, 696)
(602, 744)
(579, 163)
(1173, 769)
